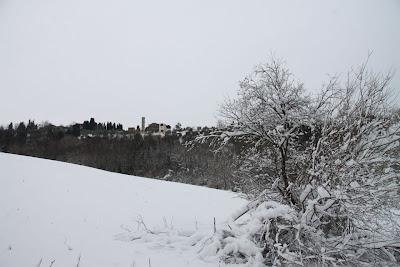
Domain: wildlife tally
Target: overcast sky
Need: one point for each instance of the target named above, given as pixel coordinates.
(175, 61)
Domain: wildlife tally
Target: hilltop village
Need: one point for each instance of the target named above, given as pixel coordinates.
(91, 128)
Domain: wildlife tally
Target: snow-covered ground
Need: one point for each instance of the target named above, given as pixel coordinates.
(53, 211)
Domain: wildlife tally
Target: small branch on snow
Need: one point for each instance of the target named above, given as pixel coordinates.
(248, 207)
(79, 260)
(140, 221)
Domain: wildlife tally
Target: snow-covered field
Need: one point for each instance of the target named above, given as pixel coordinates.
(75, 215)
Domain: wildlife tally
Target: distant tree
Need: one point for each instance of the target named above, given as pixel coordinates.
(9, 134)
(86, 125)
(21, 133)
(138, 140)
(31, 126)
(178, 127)
(76, 130)
(100, 126)
(2, 138)
(92, 124)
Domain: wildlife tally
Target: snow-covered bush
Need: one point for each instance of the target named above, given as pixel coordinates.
(328, 165)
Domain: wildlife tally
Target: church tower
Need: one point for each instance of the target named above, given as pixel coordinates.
(143, 124)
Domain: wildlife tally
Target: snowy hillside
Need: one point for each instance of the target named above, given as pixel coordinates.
(75, 215)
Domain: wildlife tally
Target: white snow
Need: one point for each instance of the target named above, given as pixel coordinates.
(57, 211)
(322, 192)
(305, 193)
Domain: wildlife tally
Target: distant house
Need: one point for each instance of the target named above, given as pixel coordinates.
(132, 130)
(158, 129)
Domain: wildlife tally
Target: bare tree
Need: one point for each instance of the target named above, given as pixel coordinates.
(270, 112)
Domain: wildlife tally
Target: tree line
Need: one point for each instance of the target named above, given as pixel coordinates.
(107, 146)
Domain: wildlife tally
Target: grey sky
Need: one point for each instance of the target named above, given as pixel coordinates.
(174, 61)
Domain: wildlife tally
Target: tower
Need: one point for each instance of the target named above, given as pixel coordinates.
(143, 124)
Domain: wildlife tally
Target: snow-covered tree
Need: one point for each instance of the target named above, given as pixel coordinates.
(270, 113)
(328, 164)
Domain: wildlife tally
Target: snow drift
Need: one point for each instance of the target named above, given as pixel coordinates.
(52, 211)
